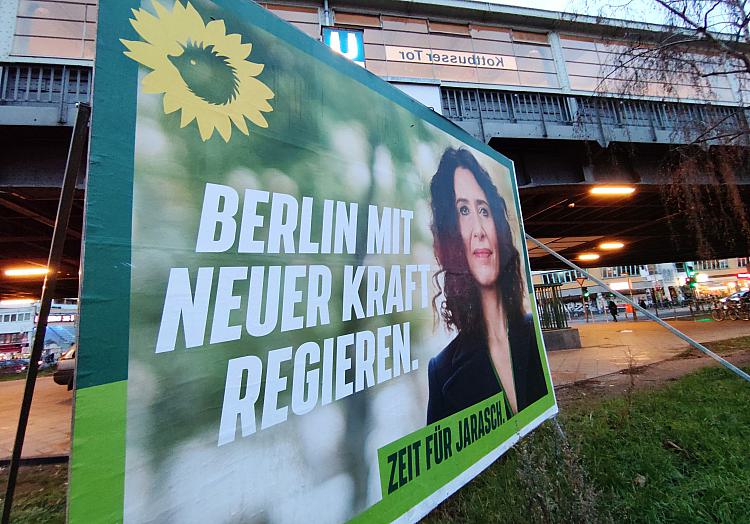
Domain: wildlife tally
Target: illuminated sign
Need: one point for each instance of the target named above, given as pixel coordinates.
(619, 286)
(743, 275)
(58, 318)
(419, 55)
(346, 42)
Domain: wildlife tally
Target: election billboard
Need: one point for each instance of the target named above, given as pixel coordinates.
(305, 296)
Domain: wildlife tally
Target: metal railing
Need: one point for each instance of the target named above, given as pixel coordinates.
(461, 104)
(45, 85)
(550, 307)
(577, 112)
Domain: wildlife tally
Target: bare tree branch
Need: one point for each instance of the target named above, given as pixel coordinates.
(709, 36)
(718, 73)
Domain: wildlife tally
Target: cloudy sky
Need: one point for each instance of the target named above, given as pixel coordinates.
(640, 10)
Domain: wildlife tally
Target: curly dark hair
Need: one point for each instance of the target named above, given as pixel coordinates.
(461, 307)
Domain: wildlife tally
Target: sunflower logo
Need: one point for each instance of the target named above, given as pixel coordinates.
(201, 70)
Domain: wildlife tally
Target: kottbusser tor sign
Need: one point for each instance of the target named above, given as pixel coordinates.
(305, 296)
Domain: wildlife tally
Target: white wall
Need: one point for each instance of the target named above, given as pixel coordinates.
(17, 326)
(8, 11)
(427, 94)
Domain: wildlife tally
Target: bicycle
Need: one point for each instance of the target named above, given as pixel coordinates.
(718, 313)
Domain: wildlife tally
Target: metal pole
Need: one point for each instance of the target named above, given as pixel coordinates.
(697, 345)
(72, 167)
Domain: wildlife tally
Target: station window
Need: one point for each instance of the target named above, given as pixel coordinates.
(357, 20)
(55, 29)
(451, 29)
(620, 271)
(531, 38)
(707, 265)
(561, 277)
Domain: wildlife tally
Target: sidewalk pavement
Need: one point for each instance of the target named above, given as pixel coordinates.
(612, 346)
(607, 348)
(48, 432)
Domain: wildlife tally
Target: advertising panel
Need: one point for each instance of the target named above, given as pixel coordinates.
(306, 297)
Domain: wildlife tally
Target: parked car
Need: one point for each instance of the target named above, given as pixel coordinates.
(13, 365)
(736, 297)
(66, 366)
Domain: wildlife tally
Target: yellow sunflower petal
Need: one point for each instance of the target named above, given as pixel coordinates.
(245, 68)
(162, 11)
(205, 125)
(216, 30)
(152, 29)
(242, 50)
(239, 123)
(146, 54)
(171, 102)
(256, 118)
(186, 116)
(193, 21)
(155, 82)
(224, 126)
(255, 89)
(164, 35)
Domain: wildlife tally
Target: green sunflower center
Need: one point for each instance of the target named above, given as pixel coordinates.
(207, 74)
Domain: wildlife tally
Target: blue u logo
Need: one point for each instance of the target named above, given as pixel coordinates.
(346, 43)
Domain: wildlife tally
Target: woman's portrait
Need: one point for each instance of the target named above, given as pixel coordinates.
(481, 296)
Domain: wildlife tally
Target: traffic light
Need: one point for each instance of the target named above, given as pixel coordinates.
(691, 281)
(585, 292)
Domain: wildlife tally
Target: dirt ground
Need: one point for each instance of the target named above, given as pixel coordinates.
(643, 377)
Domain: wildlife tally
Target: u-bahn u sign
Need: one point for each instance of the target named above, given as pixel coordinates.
(305, 295)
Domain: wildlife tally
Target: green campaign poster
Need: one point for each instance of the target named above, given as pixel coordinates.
(306, 297)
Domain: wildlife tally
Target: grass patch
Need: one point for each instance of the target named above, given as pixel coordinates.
(729, 346)
(677, 454)
(720, 347)
(5, 377)
(40, 493)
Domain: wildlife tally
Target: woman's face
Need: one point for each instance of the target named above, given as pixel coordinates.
(477, 228)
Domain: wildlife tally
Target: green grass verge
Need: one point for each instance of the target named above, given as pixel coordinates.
(677, 454)
(40, 494)
(5, 377)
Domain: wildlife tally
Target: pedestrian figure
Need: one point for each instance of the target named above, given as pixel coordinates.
(642, 303)
(612, 309)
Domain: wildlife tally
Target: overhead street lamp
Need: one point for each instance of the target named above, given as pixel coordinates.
(26, 272)
(17, 302)
(612, 190)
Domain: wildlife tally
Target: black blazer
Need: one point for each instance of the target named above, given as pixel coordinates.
(462, 374)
